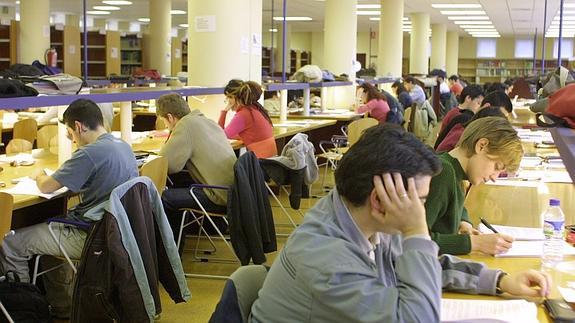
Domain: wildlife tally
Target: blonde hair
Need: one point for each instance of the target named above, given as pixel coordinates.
(173, 104)
(503, 140)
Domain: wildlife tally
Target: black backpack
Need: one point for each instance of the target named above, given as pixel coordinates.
(395, 114)
(23, 301)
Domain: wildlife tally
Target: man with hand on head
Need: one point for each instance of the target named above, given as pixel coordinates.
(364, 254)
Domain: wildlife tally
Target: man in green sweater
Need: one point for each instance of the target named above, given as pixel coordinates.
(487, 147)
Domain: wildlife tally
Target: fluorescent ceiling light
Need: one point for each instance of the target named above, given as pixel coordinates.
(476, 26)
(468, 18)
(118, 2)
(405, 18)
(472, 22)
(462, 12)
(455, 5)
(483, 33)
(407, 22)
(293, 18)
(569, 5)
(473, 29)
(273, 30)
(177, 12)
(556, 23)
(184, 25)
(368, 6)
(374, 18)
(18, 2)
(368, 13)
(106, 8)
(144, 19)
(97, 12)
(487, 36)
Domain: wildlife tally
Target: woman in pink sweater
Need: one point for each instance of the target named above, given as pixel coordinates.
(251, 123)
(374, 102)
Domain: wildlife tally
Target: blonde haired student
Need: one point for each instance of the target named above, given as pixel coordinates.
(487, 147)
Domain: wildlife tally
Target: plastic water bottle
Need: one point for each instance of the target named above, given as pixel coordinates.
(553, 229)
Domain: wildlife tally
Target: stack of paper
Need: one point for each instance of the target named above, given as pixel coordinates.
(463, 310)
(518, 233)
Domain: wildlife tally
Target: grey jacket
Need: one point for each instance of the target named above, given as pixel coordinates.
(325, 274)
(299, 153)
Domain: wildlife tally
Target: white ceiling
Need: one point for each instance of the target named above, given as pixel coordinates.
(510, 17)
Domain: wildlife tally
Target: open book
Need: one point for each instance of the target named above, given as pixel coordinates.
(466, 310)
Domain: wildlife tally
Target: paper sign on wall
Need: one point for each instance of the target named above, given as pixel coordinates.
(72, 49)
(114, 52)
(205, 24)
(46, 31)
(256, 44)
(244, 45)
(178, 53)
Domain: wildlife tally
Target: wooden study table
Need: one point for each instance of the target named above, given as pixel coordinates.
(565, 272)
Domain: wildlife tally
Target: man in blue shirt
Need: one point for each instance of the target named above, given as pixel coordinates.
(415, 91)
(101, 163)
(364, 254)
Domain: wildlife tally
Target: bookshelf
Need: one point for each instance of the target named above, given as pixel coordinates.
(305, 58)
(8, 36)
(185, 55)
(480, 70)
(292, 61)
(66, 41)
(131, 51)
(103, 54)
(176, 55)
(266, 61)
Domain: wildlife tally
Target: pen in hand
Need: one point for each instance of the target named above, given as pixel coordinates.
(488, 225)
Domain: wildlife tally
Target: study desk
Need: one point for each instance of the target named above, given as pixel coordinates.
(522, 116)
(327, 115)
(565, 272)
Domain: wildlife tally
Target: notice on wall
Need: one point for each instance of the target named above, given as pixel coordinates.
(72, 49)
(205, 24)
(114, 52)
(178, 53)
(244, 45)
(256, 44)
(46, 31)
(5, 21)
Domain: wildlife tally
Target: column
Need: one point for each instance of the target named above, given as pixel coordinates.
(340, 41)
(278, 44)
(222, 38)
(418, 60)
(452, 56)
(389, 53)
(160, 36)
(438, 46)
(34, 37)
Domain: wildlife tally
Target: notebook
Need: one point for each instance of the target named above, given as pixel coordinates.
(470, 310)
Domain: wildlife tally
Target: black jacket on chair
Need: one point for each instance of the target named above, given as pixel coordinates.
(252, 230)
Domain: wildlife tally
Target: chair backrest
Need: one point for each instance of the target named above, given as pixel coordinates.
(16, 146)
(239, 293)
(6, 204)
(45, 135)
(407, 118)
(157, 170)
(116, 123)
(356, 128)
(25, 129)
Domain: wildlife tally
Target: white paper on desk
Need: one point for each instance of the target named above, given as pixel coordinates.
(518, 233)
(532, 249)
(28, 186)
(18, 157)
(567, 293)
(470, 310)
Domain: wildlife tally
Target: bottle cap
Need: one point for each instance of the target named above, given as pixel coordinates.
(554, 202)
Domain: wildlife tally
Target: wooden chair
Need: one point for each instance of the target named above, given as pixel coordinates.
(45, 136)
(26, 129)
(6, 205)
(356, 129)
(157, 170)
(16, 146)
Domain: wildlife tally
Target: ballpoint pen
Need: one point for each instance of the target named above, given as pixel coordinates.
(488, 225)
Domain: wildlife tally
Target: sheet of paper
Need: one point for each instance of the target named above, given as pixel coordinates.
(567, 293)
(18, 157)
(519, 233)
(465, 310)
(531, 249)
(27, 186)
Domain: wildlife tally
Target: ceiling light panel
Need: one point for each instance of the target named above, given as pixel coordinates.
(117, 2)
(466, 15)
(456, 6)
(468, 18)
(293, 18)
(462, 12)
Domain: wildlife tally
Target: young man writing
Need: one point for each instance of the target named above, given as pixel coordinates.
(415, 91)
(469, 102)
(364, 254)
(101, 163)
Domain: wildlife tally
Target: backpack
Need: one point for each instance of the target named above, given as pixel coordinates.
(47, 70)
(395, 114)
(23, 301)
(55, 84)
(560, 111)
